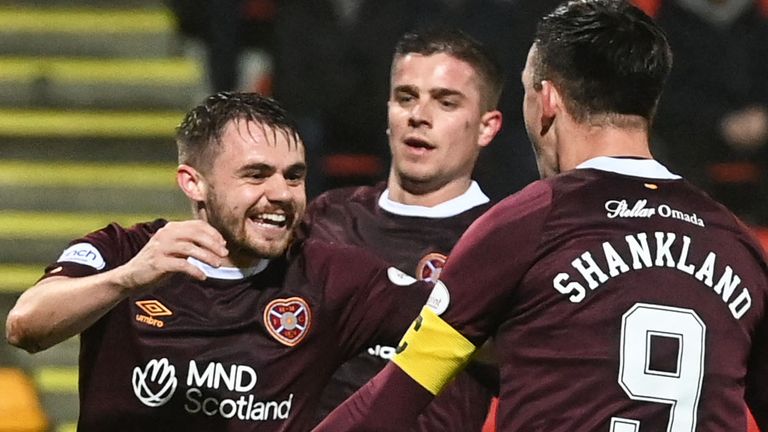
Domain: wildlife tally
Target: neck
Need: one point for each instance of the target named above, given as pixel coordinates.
(411, 193)
(581, 142)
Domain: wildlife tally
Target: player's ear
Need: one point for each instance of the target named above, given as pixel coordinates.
(551, 104)
(191, 182)
(490, 124)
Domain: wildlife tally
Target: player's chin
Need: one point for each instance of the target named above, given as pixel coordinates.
(271, 248)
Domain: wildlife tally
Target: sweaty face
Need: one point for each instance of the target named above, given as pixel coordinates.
(434, 120)
(543, 145)
(255, 194)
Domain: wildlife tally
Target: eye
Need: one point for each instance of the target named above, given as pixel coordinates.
(404, 98)
(258, 175)
(449, 103)
(295, 176)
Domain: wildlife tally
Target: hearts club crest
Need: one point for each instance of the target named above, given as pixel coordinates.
(430, 266)
(287, 320)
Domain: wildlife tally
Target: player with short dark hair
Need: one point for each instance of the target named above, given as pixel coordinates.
(619, 296)
(461, 46)
(441, 113)
(205, 324)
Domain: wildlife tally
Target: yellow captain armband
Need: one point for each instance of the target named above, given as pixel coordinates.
(432, 352)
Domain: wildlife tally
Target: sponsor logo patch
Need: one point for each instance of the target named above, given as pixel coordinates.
(640, 209)
(83, 253)
(287, 320)
(430, 266)
(211, 389)
(155, 384)
(153, 309)
(439, 298)
(398, 277)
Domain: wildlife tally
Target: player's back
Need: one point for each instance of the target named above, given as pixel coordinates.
(638, 312)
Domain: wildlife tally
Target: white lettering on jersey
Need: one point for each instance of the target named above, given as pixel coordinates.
(645, 251)
(246, 407)
(622, 209)
(83, 253)
(382, 351)
(238, 378)
(155, 384)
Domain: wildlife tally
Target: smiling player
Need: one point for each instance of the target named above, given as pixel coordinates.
(205, 325)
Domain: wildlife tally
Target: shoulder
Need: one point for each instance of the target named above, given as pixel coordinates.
(330, 215)
(105, 248)
(343, 197)
(517, 220)
(531, 201)
(137, 234)
(325, 257)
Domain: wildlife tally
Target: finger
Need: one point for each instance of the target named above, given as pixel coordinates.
(205, 235)
(198, 232)
(203, 254)
(183, 266)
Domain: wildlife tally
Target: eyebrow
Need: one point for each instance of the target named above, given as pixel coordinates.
(405, 88)
(445, 92)
(298, 166)
(265, 166)
(256, 167)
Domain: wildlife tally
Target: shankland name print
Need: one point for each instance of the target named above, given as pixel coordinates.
(657, 249)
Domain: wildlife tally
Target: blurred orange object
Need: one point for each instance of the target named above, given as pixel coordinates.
(20, 409)
(752, 426)
(762, 235)
(490, 421)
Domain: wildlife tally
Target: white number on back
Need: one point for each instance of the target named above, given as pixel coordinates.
(680, 387)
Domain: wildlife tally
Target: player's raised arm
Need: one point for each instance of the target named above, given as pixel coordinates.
(437, 347)
(58, 307)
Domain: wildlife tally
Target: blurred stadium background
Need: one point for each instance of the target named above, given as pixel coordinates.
(90, 93)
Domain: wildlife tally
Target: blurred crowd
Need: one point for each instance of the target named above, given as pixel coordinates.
(330, 60)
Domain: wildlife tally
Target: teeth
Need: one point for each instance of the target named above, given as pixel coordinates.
(278, 218)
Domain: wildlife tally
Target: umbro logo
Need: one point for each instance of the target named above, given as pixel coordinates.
(153, 310)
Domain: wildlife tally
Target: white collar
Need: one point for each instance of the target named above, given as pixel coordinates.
(473, 197)
(645, 168)
(228, 273)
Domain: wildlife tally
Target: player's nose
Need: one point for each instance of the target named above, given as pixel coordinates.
(277, 189)
(420, 114)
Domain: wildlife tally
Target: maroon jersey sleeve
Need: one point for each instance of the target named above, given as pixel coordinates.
(416, 241)
(392, 400)
(318, 222)
(369, 302)
(102, 250)
(478, 279)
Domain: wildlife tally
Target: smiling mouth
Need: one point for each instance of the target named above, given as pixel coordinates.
(278, 220)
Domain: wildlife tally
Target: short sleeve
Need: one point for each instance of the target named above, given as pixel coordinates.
(491, 259)
(370, 302)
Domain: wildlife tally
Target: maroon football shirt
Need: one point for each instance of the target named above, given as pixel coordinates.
(416, 240)
(247, 349)
(620, 298)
